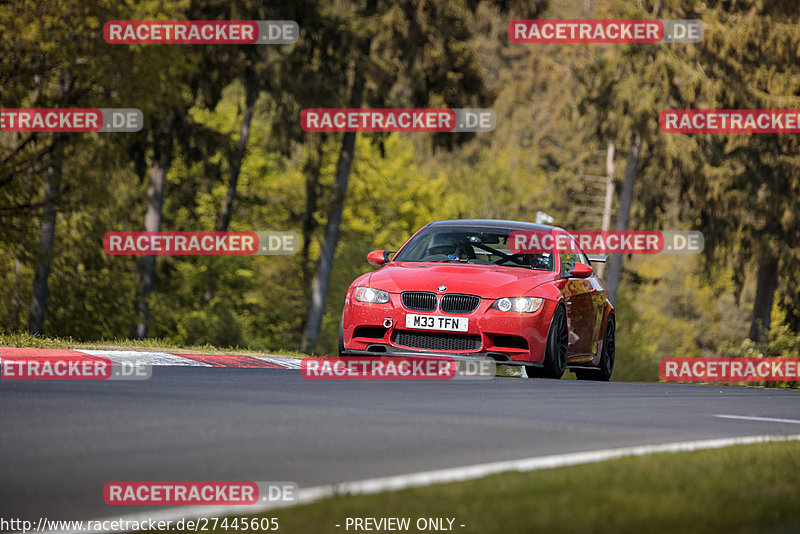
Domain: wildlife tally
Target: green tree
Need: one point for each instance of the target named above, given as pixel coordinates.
(398, 54)
(57, 59)
(743, 190)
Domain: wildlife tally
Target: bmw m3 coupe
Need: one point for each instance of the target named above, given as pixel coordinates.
(460, 287)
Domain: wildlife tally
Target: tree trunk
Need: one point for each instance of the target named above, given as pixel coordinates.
(319, 288)
(312, 171)
(608, 203)
(226, 212)
(765, 294)
(41, 274)
(623, 214)
(15, 303)
(251, 95)
(152, 223)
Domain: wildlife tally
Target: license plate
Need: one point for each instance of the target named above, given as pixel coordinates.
(437, 322)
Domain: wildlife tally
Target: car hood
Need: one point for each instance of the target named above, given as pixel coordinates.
(487, 281)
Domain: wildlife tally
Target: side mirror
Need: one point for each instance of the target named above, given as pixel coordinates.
(581, 270)
(379, 257)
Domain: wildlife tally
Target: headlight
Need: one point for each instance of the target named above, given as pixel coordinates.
(368, 294)
(518, 304)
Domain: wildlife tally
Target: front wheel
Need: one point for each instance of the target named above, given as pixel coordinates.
(606, 366)
(341, 336)
(555, 354)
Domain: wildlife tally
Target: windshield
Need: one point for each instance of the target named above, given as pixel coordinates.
(487, 246)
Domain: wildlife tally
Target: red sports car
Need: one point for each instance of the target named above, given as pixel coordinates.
(457, 287)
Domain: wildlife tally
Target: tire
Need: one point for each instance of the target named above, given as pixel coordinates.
(606, 365)
(341, 335)
(555, 354)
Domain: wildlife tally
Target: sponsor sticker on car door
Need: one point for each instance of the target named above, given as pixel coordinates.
(437, 322)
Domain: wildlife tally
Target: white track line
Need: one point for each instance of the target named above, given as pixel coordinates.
(756, 418)
(441, 476)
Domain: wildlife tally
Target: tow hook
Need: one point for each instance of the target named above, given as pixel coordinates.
(387, 323)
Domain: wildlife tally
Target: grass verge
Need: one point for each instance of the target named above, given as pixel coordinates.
(741, 489)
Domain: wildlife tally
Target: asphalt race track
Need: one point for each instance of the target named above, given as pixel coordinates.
(62, 441)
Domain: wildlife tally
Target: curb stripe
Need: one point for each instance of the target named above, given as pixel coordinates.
(44, 353)
(217, 360)
(164, 359)
(153, 358)
(288, 363)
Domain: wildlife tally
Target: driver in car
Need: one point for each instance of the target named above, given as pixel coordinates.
(456, 248)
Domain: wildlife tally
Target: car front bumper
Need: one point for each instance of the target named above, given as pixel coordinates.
(508, 338)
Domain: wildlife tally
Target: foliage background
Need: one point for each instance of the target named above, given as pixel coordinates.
(552, 131)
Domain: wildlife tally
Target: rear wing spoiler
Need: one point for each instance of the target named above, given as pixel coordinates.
(597, 258)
